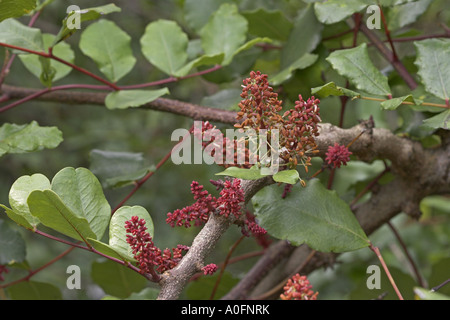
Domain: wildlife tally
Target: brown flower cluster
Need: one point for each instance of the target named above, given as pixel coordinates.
(298, 288)
(298, 127)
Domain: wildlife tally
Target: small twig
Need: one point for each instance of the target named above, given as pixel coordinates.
(388, 34)
(368, 187)
(222, 269)
(436, 288)
(73, 66)
(386, 269)
(408, 255)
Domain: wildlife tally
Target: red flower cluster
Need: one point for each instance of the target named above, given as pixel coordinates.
(197, 212)
(209, 269)
(298, 288)
(229, 202)
(231, 198)
(337, 155)
(146, 253)
(251, 228)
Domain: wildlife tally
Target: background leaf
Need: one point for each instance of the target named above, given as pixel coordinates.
(118, 169)
(18, 195)
(83, 15)
(132, 98)
(271, 24)
(12, 244)
(433, 61)
(34, 290)
(61, 50)
(117, 280)
(312, 215)
(332, 11)
(225, 32)
(15, 8)
(164, 44)
(356, 65)
(28, 138)
(441, 120)
(109, 46)
(14, 33)
(304, 37)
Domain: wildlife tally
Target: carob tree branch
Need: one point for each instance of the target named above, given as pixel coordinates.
(418, 172)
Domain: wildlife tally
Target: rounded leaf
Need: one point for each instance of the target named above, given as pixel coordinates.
(312, 215)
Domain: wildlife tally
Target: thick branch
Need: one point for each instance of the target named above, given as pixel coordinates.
(190, 110)
(173, 281)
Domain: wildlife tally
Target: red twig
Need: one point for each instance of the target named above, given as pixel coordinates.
(386, 269)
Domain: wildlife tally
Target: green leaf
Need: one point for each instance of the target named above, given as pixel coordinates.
(48, 207)
(72, 22)
(164, 44)
(301, 63)
(82, 193)
(18, 195)
(15, 8)
(107, 250)
(287, 176)
(356, 65)
(433, 61)
(304, 37)
(117, 232)
(28, 138)
(200, 61)
(61, 50)
(394, 103)
(117, 169)
(253, 173)
(117, 280)
(12, 244)
(312, 215)
(426, 294)
(109, 46)
(14, 33)
(33, 290)
(224, 33)
(401, 15)
(124, 99)
(440, 120)
(197, 12)
(331, 89)
(271, 24)
(332, 11)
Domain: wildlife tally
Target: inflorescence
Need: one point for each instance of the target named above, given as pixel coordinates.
(298, 288)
